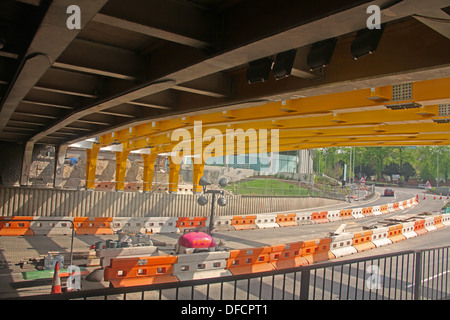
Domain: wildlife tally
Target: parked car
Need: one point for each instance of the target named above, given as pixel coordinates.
(388, 192)
(424, 186)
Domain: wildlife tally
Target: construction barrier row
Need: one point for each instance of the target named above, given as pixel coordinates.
(122, 272)
(9, 226)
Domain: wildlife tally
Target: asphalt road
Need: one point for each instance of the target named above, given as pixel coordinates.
(15, 248)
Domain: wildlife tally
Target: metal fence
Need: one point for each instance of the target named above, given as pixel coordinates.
(406, 275)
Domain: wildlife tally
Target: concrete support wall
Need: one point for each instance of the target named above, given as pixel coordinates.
(15, 201)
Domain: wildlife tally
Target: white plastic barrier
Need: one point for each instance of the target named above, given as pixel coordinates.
(380, 236)
(223, 223)
(155, 225)
(107, 254)
(303, 218)
(341, 245)
(408, 230)
(118, 223)
(446, 219)
(264, 221)
(51, 226)
(334, 215)
(391, 207)
(201, 265)
(429, 224)
(357, 213)
(376, 210)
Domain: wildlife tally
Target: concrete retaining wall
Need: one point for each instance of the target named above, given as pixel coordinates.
(16, 201)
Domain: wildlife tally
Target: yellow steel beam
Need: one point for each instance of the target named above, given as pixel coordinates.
(91, 166)
(424, 92)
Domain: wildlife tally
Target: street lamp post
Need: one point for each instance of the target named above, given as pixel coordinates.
(202, 200)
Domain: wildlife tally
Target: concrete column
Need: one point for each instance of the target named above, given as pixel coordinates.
(149, 169)
(26, 163)
(60, 156)
(91, 166)
(121, 169)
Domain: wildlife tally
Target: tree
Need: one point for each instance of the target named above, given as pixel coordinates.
(391, 169)
(407, 171)
(427, 173)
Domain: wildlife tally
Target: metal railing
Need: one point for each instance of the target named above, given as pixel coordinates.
(406, 275)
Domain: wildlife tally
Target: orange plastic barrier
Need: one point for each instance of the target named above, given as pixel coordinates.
(92, 226)
(317, 250)
(384, 208)
(249, 260)
(187, 222)
(405, 204)
(419, 227)
(286, 220)
(320, 217)
(346, 214)
(396, 206)
(363, 240)
(288, 255)
(244, 222)
(127, 272)
(438, 222)
(12, 227)
(367, 211)
(395, 233)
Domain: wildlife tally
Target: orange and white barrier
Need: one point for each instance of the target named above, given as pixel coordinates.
(367, 212)
(287, 255)
(419, 227)
(154, 225)
(244, 222)
(125, 272)
(264, 221)
(251, 260)
(303, 218)
(429, 224)
(333, 215)
(363, 240)
(357, 213)
(223, 223)
(201, 265)
(380, 237)
(92, 226)
(191, 222)
(157, 269)
(286, 220)
(341, 245)
(395, 233)
(320, 217)
(377, 210)
(317, 250)
(106, 255)
(346, 214)
(9, 226)
(408, 230)
(51, 226)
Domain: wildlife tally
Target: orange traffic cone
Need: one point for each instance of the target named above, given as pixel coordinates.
(56, 285)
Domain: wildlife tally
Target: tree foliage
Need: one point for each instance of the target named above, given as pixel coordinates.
(423, 162)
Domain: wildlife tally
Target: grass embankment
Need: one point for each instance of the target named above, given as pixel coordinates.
(271, 187)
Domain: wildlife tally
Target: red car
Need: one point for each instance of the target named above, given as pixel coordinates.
(388, 192)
